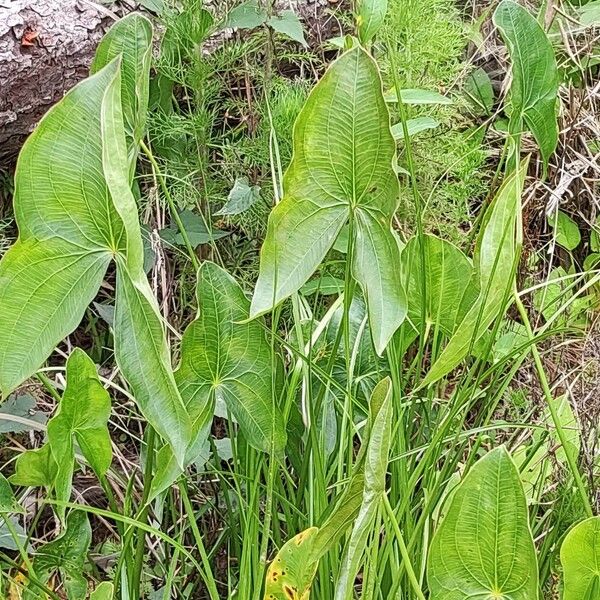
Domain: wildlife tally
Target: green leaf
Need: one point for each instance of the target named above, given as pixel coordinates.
(566, 230)
(75, 212)
(230, 360)
(450, 282)
(195, 228)
(141, 349)
(35, 468)
(241, 197)
(66, 555)
(326, 285)
(341, 170)
(8, 502)
(375, 469)
(369, 18)
(483, 548)
(535, 80)
(496, 255)
(580, 558)
(291, 573)
(288, 24)
(82, 416)
(104, 591)
(570, 427)
(131, 39)
(478, 88)
(414, 126)
(21, 406)
(225, 358)
(53, 272)
(416, 97)
(595, 236)
(247, 15)
(589, 14)
(7, 539)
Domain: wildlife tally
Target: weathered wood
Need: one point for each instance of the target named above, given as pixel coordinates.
(45, 48)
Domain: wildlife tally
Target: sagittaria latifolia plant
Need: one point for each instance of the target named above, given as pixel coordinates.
(409, 313)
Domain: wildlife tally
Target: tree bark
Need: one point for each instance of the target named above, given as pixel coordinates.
(46, 47)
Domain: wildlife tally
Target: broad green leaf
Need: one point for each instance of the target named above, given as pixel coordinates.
(535, 80)
(580, 558)
(414, 126)
(66, 555)
(288, 24)
(450, 285)
(247, 15)
(225, 358)
(8, 502)
(375, 469)
(141, 349)
(496, 255)
(104, 591)
(55, 269)
(589, 14)
(131, 39)
(82, 417)
(241, 197)
(291, 573)
(549, 298)
(570, 427)
(20, 413)
(35, 468)
(341, 170)
(416, 97)
(369, 18)
(75, 213)
(565, 229)
(7, 538)
(483, 547)
(196, 230)
(478, 88)
(326, 285)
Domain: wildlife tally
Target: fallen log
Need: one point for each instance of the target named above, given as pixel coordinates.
(46, 47)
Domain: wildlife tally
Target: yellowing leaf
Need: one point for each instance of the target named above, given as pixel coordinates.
(291, 573)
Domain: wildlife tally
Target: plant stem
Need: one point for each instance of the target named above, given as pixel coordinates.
(403, 551)
(171, 202)
(141, 539)
(550, 401)
(208, 575)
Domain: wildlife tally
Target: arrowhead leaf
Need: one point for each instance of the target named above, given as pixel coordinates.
(370, 18)
(580, 559)
(76, 212)
(66, 555)
(292, 571)
(341, 169)
(496, 253)
(535, 79)
(484, 547)
(225, 358)
(82, 416)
